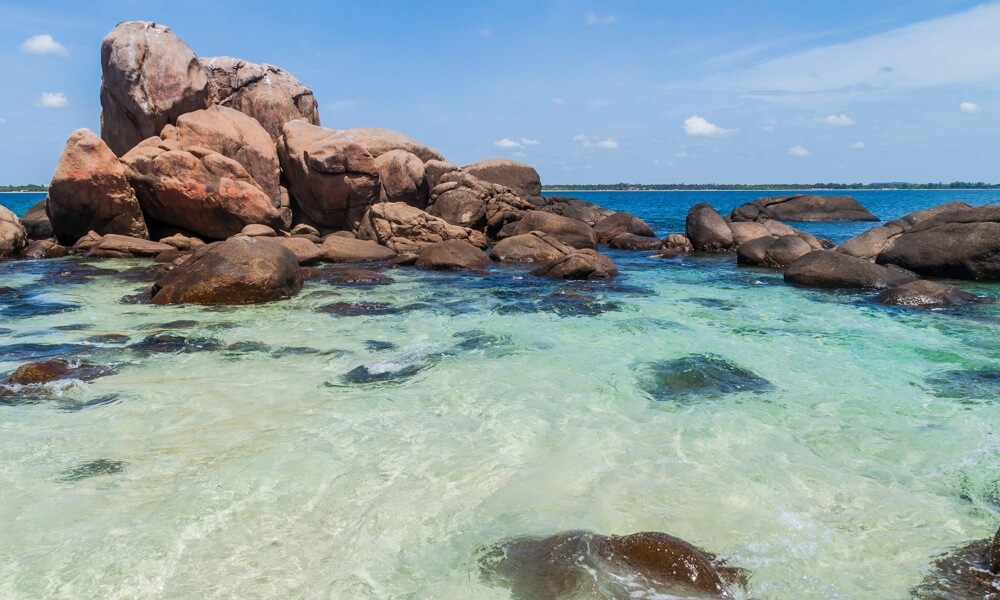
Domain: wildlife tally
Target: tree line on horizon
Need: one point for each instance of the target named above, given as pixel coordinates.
(31, 187)
(890, 185)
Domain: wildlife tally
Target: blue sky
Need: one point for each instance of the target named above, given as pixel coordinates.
(588, 92)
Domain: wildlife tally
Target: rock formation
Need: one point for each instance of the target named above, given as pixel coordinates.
(803, 207)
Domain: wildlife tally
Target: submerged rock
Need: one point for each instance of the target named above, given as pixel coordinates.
(92, 468)
(971, 572)
(577, 564)
(925, 294)
(696, 377)
(361, 277)
(968, 386)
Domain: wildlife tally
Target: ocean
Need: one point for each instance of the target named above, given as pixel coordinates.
(373, 442)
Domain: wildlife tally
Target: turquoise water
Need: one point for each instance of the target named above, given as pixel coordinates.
(284, 450)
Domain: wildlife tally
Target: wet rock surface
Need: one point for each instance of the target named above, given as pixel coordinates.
(971, 572)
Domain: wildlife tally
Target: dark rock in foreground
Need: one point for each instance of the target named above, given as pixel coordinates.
(870, 243)
(698, 376)
(36, 221)
(803, 207)
(707, 230)
(971, 572)
(925, 294)
(580, 564)
(240, 270)
(825, 269)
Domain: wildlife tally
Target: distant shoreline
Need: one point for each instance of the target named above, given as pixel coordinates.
(767, 187)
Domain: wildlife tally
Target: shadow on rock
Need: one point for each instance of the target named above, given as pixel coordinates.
(579, 564)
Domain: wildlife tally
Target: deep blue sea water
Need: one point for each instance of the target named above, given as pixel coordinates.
(370, 442)
(20, 202)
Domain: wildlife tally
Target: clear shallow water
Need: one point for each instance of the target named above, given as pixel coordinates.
(257, 463)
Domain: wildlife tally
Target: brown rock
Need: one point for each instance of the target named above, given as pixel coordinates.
(568, 231)
(233, 135)
(753, 253)
(239, 270)
(89, 191)
(785, 250)
(403, 228)
(530, 248)
(128, 246)
(361, 277)
(149, 78)
(39, 372)
(402, 178)
(630, 241)
(747, 230)
(43, 249)
(196, 189)
(270, 95)
(521, 178)
(582, 264)
(460, 206)
(183, 242)
(86, 242)
(619, 223)
(452, 254)
(338, 249)
(305, 252)
(676, 242)
(870, 243)
(707, 230)
(925, 294)
(36, 221)
(574, 208)
(257, 230)
(435, 169)
(13, 238)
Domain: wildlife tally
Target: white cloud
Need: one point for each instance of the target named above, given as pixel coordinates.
(558, 101)
(957, 49)
(841, 120)
(52, 100)
(772, 125)
(681, 154)
(507, 144)
(530, 142)
(798, 151)
(698, 126)
(858, 145)
(586, 142)
(44, 44)
(970, 108)
(591, 18)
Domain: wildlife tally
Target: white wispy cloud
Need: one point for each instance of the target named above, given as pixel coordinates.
(591, 18)
(841, 120)
(699, 126)
(586, 142)
(530, 142)
(558, 101)
(507, 144)
(970, 108)
(52, 100)
(957, 49)
(858, 145)
(44, 44)
(798, 151)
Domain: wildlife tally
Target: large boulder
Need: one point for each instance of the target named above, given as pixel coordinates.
(825, 269)
(572, 564)
(873, 241)
(581, 264)
(621, 222)
(707, 230)
(925, 294)
(961, 244)
(803, 207)
(333, 175)
(402, 178)
(339, 249)
(240, 270)
(519, 177)
(785, 250)
(233, 135)
(465, 200)
(149, 78)
(36, 221)
(13, 238)
(403, 228)
(530, 248)
(270, 95)
(745, 231)
(89, 191)
(43, 249)
(123, 246)
(452, 254)
(197, 190)
(568, 231)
